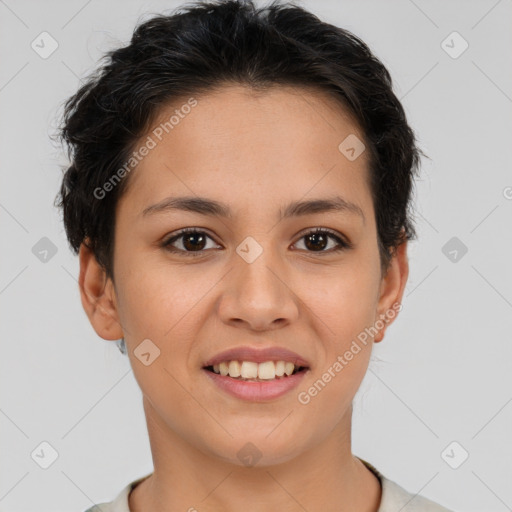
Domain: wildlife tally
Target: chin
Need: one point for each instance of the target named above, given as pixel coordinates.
(258, 449)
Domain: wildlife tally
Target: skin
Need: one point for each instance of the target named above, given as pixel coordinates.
(255, 152)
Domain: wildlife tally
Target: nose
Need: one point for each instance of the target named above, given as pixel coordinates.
(258, 296)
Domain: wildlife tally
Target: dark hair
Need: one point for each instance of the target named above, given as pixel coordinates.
(202, 46)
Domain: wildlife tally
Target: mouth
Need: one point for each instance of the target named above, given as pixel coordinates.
(251, 371)
(256, 375)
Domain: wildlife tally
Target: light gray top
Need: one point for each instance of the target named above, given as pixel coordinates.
(394, 498)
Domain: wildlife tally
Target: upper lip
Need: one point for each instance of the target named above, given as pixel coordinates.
(257, 355)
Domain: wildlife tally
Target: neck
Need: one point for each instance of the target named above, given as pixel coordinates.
(326, 477)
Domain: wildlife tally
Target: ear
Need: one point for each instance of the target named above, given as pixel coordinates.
(392, 289)
(98, 296)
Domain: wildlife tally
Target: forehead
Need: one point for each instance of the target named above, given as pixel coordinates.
(235, 141)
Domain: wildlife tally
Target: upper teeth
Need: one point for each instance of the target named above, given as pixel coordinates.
(251, 370)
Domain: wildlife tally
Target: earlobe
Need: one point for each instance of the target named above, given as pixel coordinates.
(392, 290)
(98, 296)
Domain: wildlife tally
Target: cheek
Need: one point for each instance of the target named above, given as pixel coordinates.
(157, 299)
(331, 393)
(160, 303)
(167, 306)
(345, 304)
(345, 300)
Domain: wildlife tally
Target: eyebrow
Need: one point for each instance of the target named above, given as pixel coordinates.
(205, 206)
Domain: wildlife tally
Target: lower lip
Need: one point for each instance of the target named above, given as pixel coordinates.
(256, 391)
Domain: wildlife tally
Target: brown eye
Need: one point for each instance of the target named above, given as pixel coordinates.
(318, 240)
(192, 241)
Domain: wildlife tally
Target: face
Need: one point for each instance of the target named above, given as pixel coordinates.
(251, 275)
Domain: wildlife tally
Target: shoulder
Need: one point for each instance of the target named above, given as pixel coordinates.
(394, 497)
(101, 507)
(120, 503)
(110, 506)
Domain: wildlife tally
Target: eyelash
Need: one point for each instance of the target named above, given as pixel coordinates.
(342, 244)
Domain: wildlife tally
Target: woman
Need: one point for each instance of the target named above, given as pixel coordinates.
(239, 198)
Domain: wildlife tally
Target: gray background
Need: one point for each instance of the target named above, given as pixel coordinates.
(443, 371)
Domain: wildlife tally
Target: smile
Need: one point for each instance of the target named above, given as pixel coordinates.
(257, 382)
(256, 372)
